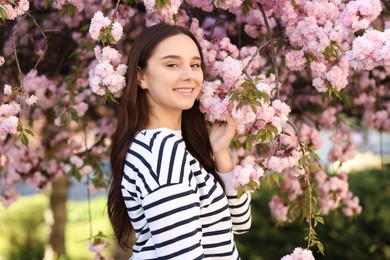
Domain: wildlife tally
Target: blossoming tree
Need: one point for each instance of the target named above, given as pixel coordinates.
(285, 70)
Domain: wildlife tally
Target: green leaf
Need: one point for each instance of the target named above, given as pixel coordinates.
(320, 219)
(74, 116)
(240, 192)
(320, 247)
(24, 140)
(29, 132)
(275, 178)
(3, 13)
(19, 127)
(273, 129)
(248, 144)
(269, 136)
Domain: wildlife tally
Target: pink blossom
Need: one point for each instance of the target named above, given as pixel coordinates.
(7, 90)
(278, 209)
(2, 60)
(15, 10)
(8, 125)
(244, 174)
(85, 170)
(98, 22)
(337, 77)
(10, 109)
(228, 4)
(80, 108)
(117, 31)
(359, 14)
(31, 100)
(299, 254)
(295, 60)
(76, 161)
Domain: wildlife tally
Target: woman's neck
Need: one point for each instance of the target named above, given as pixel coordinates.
(167, 120)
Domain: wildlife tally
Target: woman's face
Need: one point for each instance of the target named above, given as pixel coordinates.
(173, 76)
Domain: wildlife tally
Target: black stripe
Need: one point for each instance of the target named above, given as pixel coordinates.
(174, 211)
(141, 217)
(147, 147)
(145, 163)
(241, 214)
(181, 237)
(242, 222)
(239, 205)
(181, 252)
(137, 207)
(183, 164)
(177, 224)
(211, 191)
(227, 218)
(171, 163)
(218, 232)
(215, 212)
(152, 139)
(224, 243)
(169, 198)
(131, 193)
(161, 152)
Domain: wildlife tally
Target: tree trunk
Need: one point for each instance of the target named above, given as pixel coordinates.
(57, 219)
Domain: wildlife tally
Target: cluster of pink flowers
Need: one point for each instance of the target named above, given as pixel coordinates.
(109, 72)
(243, 175)
(334, 193)
(299, 254)
(370, 50)
(9, 118)
(283, 159)
(108, 75)
(228, 4)
(20, 164)
(344, 147)
(99, 25)
(215, 101)
(279, 210)
(14, 9)
(313, 34)
(40, 88)
(359, 14)
(168, 13)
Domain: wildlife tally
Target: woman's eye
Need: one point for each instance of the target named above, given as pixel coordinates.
(195, 65)
(172, 65)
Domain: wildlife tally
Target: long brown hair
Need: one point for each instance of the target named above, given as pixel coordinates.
(133, 117)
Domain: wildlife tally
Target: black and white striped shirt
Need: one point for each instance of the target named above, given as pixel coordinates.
(178, 209)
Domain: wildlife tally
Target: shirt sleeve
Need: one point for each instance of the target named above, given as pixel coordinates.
(240, 208)
(172, 212)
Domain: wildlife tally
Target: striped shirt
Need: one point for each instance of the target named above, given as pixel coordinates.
(178, 210)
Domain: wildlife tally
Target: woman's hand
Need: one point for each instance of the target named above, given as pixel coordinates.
(221, 135)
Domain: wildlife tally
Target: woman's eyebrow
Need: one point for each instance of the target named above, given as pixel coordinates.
(176, 57)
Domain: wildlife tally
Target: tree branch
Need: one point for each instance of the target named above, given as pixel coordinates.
(41, 57)
(273, 54)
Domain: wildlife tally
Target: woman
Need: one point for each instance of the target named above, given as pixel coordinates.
(171, 175)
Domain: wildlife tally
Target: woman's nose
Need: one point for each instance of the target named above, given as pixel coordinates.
(187, 73)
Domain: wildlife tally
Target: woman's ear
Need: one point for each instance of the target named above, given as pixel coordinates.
(141, 78)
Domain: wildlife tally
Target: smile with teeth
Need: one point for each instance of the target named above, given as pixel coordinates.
(184, 90)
